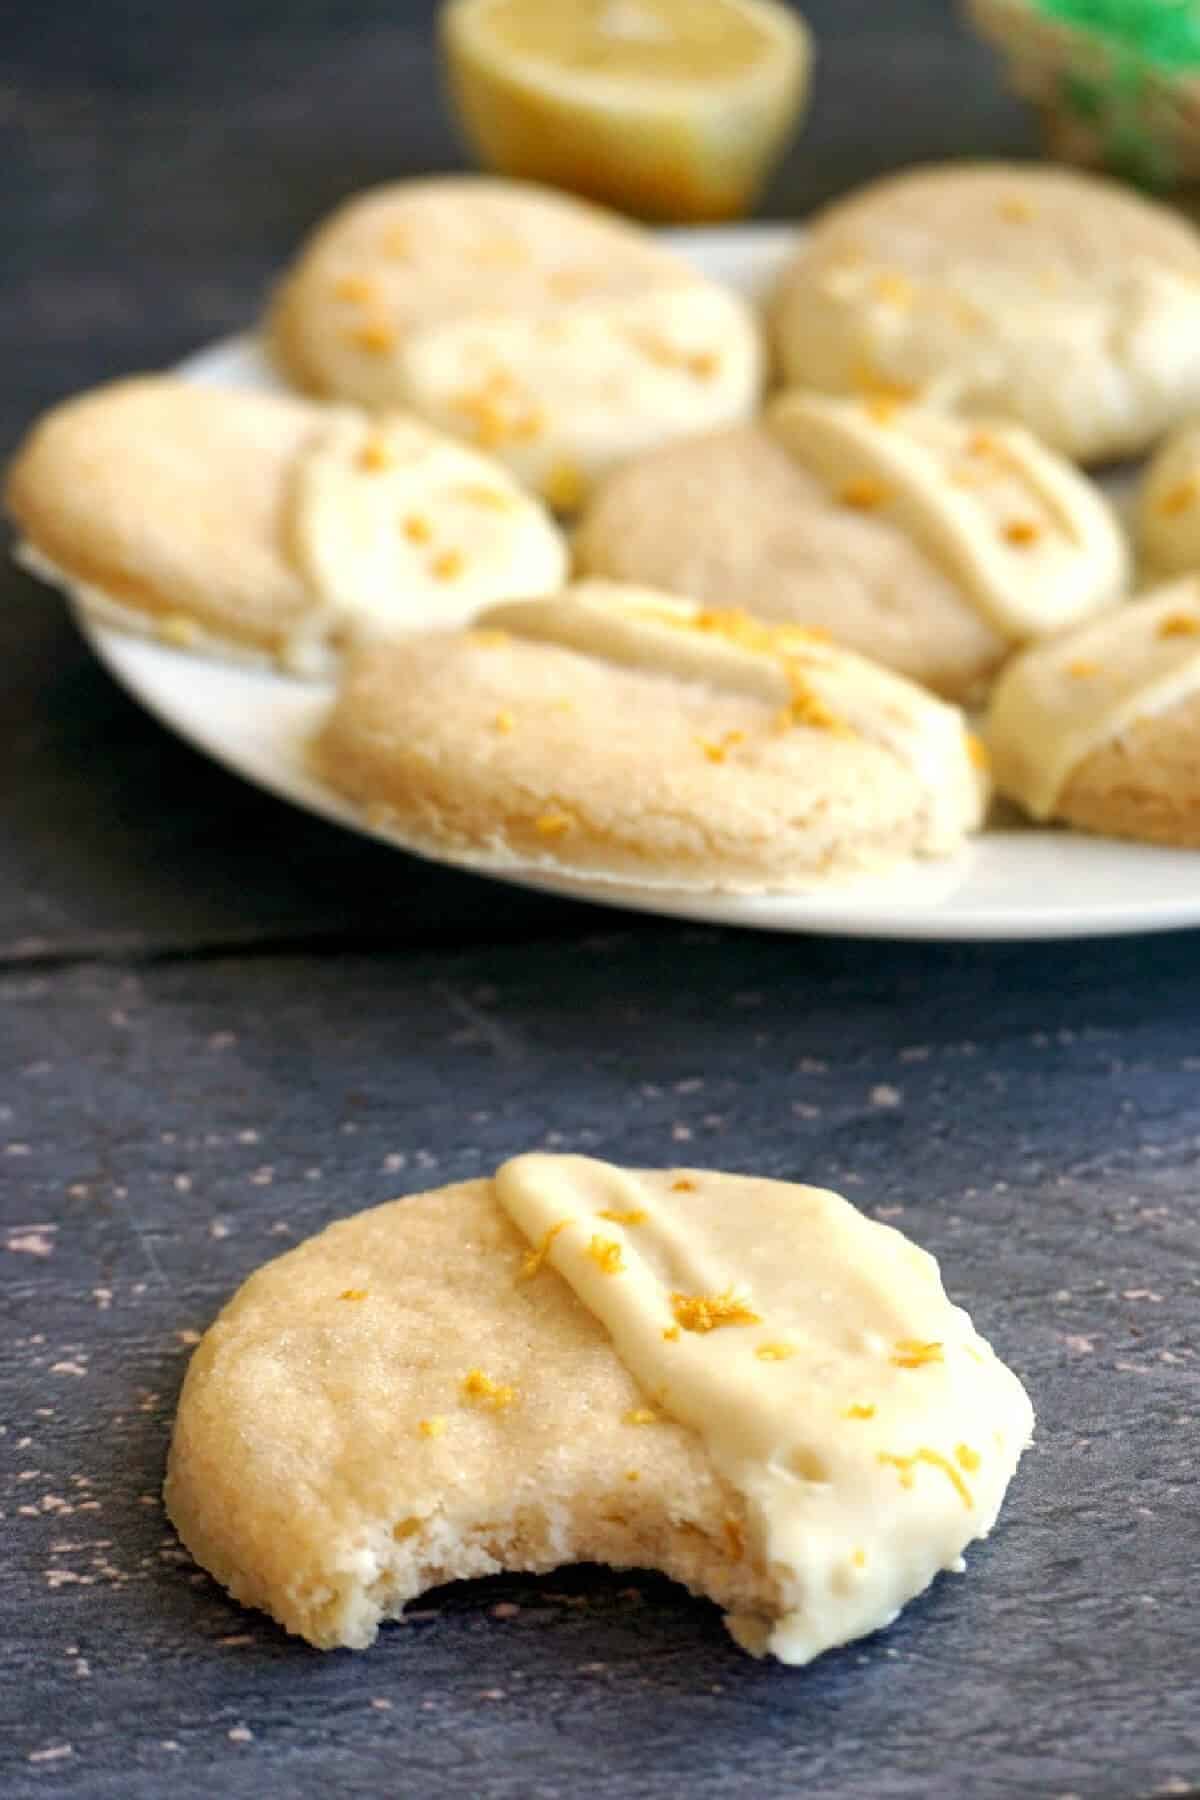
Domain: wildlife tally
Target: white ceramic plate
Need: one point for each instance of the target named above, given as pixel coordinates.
(1010, 883)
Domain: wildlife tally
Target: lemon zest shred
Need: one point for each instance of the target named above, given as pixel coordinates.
(935, 1460)
(632, 1215)
(606, 1254)
(912, 1353)
(707, 1312)
(483, 1391)
(432, 1428)
(536, 1257)
(859, 1411)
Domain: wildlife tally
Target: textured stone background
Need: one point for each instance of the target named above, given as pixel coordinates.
(224, 1023)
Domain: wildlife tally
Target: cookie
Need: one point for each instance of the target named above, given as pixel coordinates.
(1101, 728)
(623, 735)
(744, 1383)
(932, 544)
(1054, 298)
(1168, 505)
(543, 330)
(270, 526)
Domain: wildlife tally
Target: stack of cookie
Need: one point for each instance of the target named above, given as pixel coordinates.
(746, 669)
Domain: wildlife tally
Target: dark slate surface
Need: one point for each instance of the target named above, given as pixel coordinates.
(223, 1023)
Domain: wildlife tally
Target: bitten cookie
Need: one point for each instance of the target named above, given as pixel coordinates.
(270, 526)
(744, 1383)
(618, 734)
(1057, 299)
(544, 330)
(932, 544)
(1168, 505)
(1101, 728)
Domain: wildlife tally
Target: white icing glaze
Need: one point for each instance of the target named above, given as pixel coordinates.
(565, 394)
(642, 628)
(394, 525)
(1057, 703)
(1033, 544)
(872, 1442)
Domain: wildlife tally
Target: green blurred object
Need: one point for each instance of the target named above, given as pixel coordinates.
(1162, 31)
(1116, 82)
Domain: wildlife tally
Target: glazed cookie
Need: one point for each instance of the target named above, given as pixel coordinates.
(931, 544)
(619, 734)
(1168, 505)
(270, 526)
(744, 1383)
(554, 335)
(1101, 728)
(1057, 299)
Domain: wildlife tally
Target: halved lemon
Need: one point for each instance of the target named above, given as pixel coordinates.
(671, 109)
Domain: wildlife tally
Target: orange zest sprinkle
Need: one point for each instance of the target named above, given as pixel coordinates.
(536, 1257)
(640, 1415)
(504, 721)
(864, 493)
(1021, 532)
(1179, 625)
(375, 455)
(934, 1458)
(882, 407)
(671, 1334)
(632, 1215)
(874, 385)
(895, 289)
(911, 1353)
(858, 1411)
(376, 336)
(553, 824)
(632, 1475)
(1082, 667)
(447, 565)
(716, 752)
(606, 1254)
(977, 750)
(353, 287)
(477, 493)
(483, 1391)
(707, 1312)
(353, 1294)
(417, 529)
(563, 486)
(432, 1428)
(684, 1185)
(775, 1352)
(496, 414)
(1177, 499)
(967, 1458)
(807, 708)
